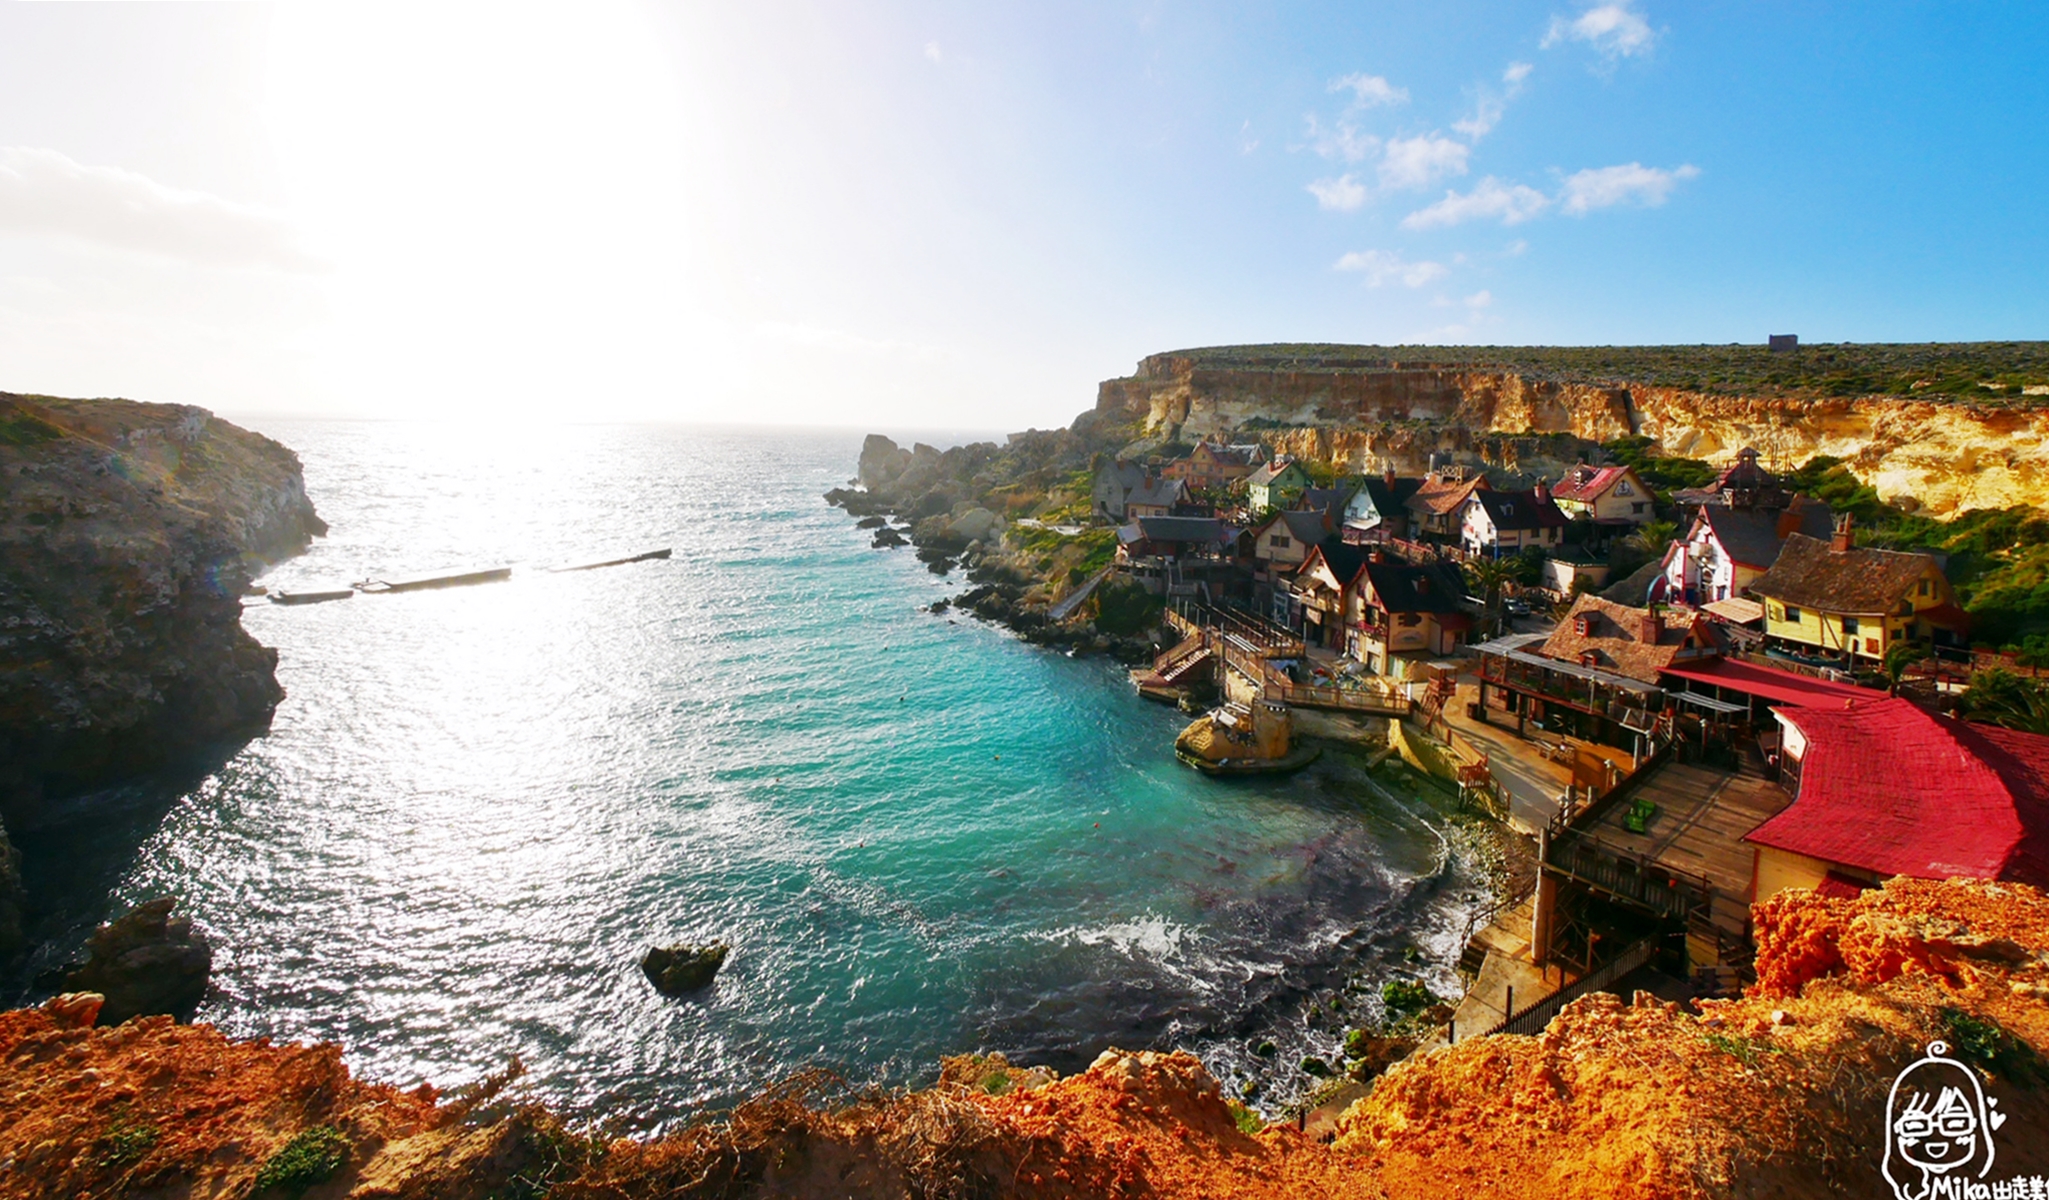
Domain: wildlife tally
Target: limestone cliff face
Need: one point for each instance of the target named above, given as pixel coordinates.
(1946, 456)
(128, 535)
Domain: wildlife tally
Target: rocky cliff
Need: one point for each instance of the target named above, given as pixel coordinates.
(1945, 455)
(128, 535)
(1782, 1094)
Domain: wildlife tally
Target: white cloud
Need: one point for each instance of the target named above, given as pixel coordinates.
(932, 51)
(42, 191)
(1342, 141)
(1480, 299)
(1370, 91)
(1605, 187)
(1616, 30)
(1342, 194)
(1490, 199)
(1517, 248)
(1379, 266)
(1421, 161)
(1487, 110)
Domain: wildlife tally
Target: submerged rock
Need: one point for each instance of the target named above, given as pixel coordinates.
(682, 968)
(145, 963)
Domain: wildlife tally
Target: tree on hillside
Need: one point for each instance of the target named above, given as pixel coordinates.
(2000, 697)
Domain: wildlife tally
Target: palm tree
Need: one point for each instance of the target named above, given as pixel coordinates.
(1485, 576)
(1898, 657)
(2000, 697)
(1653, 536)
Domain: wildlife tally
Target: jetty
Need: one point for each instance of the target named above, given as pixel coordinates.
(419, 583)
(644, 556)
(321, 596)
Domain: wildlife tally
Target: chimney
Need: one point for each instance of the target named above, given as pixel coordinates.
(1388, 475)
(1375, 556)
(1844, 538)
(1649, 626)
(1542, 492)
(1789, 523)
(1422, 584)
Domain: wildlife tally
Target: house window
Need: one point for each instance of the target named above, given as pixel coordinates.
(1636, 509)
(1922, 589)
(1583, 625)
(1587, 658)
(1793, 614)
(1622, 489)
(1281, 543)
(1849, 626)
(1406, 619)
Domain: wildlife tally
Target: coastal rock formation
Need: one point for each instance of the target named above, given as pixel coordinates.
(1944, 455)
(128, 535)
(146, 963)
(675, 970)
(1782, 1094)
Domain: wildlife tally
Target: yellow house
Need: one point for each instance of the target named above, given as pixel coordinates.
(1855, 602)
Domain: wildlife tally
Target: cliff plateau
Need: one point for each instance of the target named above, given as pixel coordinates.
(1372, 413)
(128, 535)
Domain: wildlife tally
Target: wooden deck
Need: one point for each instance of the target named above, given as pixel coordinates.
(1702, 816)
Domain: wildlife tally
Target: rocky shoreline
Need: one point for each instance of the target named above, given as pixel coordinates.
(129, 534)
(956, 509)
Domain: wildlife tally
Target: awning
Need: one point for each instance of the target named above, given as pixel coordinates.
(1701, 700)
(1735, 610)
(1594, 674)
(1770, 684)
(1513, 641)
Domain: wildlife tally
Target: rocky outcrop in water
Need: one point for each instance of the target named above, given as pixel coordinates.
(128, 534)
(680, 969)
(146, 963)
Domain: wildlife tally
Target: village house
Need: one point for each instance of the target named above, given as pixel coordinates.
(1397, 610)
(1613, 496)
(1885, 788)
(1729, 548)
(1280, 544)
(1436, 507)
(1379, 509)
(1157, 496)
(1497, 523)
(1596, 675)
(1178, 555)
(1277, 483)
(1330, 501)
(1114, 481)
(1215, 464)
(1742, 484)
(1319, 589)
(1847, 602)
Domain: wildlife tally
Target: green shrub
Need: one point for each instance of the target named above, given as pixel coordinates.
(1406, 996)
(311, 1157)
(126, 1141)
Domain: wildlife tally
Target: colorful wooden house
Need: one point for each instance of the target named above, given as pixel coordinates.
(1850, 602)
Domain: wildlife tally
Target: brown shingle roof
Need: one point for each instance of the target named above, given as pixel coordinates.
(1615, 638)
(1811, 574)
(1439, 496)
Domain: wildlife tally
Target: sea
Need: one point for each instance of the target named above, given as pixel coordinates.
(477, 807)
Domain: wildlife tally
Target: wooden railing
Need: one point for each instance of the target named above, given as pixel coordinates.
(1634, 877)
(1531, 1019)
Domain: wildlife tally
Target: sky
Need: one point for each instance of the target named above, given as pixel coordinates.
(950, 215)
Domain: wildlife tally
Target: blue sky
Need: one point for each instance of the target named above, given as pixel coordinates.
(968, 214)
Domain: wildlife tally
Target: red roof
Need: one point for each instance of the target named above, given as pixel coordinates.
(1887, 787)
(1772, 684)
(1584, 483)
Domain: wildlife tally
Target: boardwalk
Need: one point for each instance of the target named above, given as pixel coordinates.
(1702, 816)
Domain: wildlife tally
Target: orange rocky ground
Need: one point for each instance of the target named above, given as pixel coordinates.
(1779, 1094)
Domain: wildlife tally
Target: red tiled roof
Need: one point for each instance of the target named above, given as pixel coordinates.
(1769, 683)
(1586, 483)
(1887, 787)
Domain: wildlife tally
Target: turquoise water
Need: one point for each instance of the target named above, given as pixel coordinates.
(921, 836)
